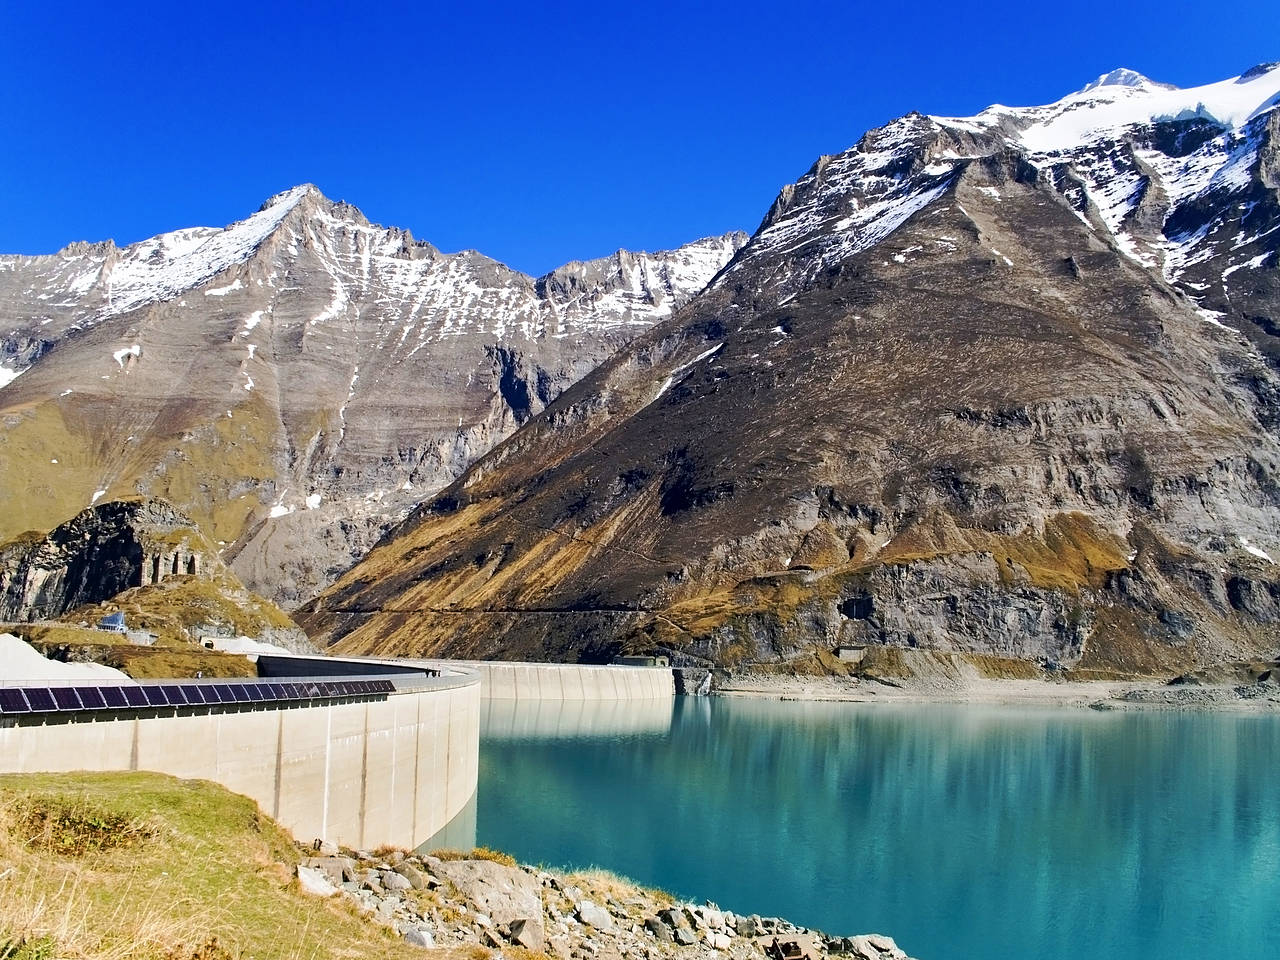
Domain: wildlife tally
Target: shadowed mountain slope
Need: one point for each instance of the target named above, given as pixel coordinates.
(999, 385)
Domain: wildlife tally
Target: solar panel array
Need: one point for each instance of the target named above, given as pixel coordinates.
(20, 700)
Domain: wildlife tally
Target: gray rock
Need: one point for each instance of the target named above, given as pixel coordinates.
(315, 882)
(420, 937)
(528, 933)
(337, 869)
(594, 915)
(503, 893)
(327, 848)
(684, 936)
(658, 929)
(418, 878)
(748, 926)
(393, 880)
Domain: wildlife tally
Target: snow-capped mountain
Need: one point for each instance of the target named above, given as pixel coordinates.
(1170, 177)
(995, 387)
(300, 376)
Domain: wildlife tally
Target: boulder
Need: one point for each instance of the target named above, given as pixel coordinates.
(418, 879)
(672, 917)
(595, 916)
(684, 936)
(719, 941)
(420, 937)
(395, 881)
(337, 869)
(874, 947)
(315, 882)
(505, 894)
(528, 933)
(659, 929)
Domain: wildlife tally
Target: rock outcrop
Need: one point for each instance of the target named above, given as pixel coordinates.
(959, 392)
(143, 558)
(98, 554)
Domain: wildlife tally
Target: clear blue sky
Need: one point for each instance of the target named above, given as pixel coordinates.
(536, 133)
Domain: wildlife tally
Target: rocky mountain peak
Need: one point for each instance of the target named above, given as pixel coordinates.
(1123, 77)
(340, 369)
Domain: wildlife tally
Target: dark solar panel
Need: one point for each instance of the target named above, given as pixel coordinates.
(12, 701)
(224, 693)
(136, 696)
(383, 686)
(277, 691)
(330, 689)
(255, 692)
(92, 698)
(66, 698)
(175, 694)
(155, 696)
(114, 696)
(41, 699)
(205, 691)
(239, 692)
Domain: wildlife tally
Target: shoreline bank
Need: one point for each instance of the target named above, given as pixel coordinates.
(1076, 694)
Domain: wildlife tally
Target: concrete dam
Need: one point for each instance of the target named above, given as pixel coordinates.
(359, 752)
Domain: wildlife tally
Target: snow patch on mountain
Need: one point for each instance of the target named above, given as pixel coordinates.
(1124, 99)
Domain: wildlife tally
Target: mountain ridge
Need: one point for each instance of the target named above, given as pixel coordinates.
(269, 378)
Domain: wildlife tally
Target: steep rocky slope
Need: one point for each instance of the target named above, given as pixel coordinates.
(298, 380)
(141, 557)
(997, 385)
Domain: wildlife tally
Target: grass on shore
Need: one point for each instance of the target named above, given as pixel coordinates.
(141, 865)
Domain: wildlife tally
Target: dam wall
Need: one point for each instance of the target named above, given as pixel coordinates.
(501, 680)
(391, 770)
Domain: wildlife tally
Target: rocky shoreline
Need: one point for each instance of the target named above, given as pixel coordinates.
(1257, 696)
(487, 901)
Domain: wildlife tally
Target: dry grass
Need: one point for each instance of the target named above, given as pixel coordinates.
(167, 659)
(203, 876)
(479, 853)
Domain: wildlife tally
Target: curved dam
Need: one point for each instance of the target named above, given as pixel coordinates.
(329, 759)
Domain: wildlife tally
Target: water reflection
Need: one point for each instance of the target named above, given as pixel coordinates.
(963, 831)
(458, 834)
(505, 720)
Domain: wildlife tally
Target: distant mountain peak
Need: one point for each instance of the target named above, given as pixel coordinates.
(1124, 77)
(1260, 70)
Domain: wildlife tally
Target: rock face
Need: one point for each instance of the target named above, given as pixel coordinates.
(1000, 385)
(143, 558)
(297, 381)
(96, 555)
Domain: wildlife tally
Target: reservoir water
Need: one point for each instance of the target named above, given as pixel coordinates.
(962, 831)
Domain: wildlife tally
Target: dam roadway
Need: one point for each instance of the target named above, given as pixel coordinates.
(358, 752)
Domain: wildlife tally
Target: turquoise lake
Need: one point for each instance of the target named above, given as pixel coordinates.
(961, 831)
